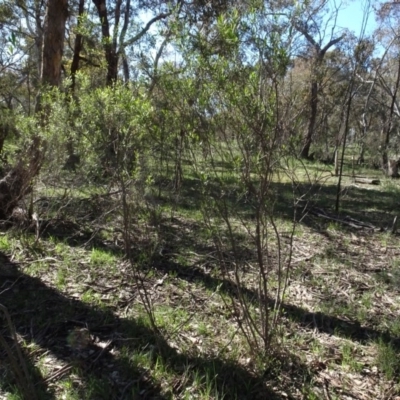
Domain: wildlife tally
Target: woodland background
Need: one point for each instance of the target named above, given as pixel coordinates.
(198, 200)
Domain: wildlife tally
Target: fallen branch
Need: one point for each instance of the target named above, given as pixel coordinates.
(344, 221)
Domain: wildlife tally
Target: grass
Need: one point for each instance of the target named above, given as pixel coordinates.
(388, 360)
(349, 358)
(339, 331)
(6, 244)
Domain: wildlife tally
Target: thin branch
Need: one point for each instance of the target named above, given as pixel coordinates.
(133, 40)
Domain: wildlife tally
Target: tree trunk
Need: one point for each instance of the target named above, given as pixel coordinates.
(77, 46)
(360, 159)
(53, 41)
(38, 40)
(16, 181)
(337, 163)
(392, 168)
(385, 158)
(315, 79)
(110, 48)
(389, 124)
(305, 152)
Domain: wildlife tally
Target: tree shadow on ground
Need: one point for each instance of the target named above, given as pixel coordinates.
(205, 269)
(57, 326)
(73, 221)
(46, 317)
(367, 205)
(322, 322)
(370, 206)
(182, 237)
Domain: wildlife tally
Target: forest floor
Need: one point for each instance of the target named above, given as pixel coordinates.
(79, 306)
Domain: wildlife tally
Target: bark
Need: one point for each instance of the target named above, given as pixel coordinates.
(305, 152)
(110, 49)
(14, 185)
(314, 87)
(361, 158)
(125, 67)
(77, 46)
(38, 39)
(389, 124)
(336, 161)
(53, 41)
(124, 29)
(16, 181)
(392, 168)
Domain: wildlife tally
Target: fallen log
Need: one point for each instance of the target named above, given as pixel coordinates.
(367, 181)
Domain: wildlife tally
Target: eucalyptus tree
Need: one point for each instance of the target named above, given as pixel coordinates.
(335, 73)
(17, 179)
(387, 74)
(53, 41)
(388, 83)
(320, 36)
(134, 30)
(380, 117)
(20, 52)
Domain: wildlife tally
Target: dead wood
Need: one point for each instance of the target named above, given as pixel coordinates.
(392, 168)
(394, 225)
(308, 208)
(16, 181)
(14, 185)
(367, 181)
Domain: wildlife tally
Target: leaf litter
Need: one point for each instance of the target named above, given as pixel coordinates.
(343, 294)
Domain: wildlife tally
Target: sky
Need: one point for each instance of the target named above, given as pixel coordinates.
(351, 17)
